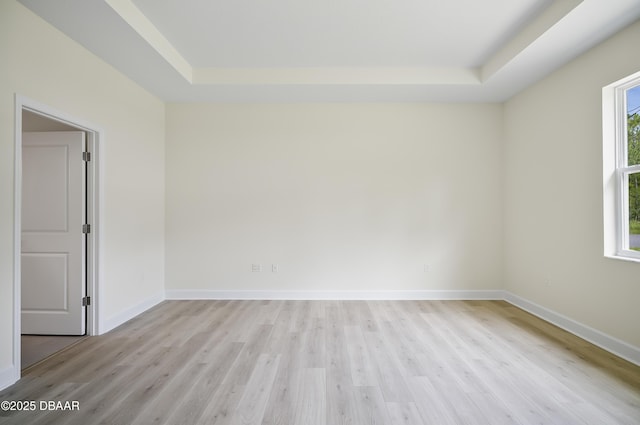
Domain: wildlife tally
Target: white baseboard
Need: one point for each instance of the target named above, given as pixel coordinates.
(128, 314)
(335, 295)
(8, 377)
(602, 340)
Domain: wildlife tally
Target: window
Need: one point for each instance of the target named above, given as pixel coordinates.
(622, 168)
(630, 169)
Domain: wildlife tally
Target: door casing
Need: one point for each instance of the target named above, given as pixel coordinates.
(95, 137)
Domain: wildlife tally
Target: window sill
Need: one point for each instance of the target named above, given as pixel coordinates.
(623, 258)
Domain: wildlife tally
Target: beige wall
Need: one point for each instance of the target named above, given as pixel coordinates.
(553, 194)
(49, 68)
(341, 197)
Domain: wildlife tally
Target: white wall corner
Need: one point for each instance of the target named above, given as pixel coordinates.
(128, 314)
(335, 295)
(9, 376)
(602, 340)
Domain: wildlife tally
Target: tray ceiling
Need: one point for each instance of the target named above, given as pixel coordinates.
(336, 51)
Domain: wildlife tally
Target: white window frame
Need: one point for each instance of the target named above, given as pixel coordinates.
(615, 169)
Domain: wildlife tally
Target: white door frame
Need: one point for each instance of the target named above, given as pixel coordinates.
(95, 137)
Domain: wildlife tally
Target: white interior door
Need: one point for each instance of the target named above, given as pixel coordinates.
(53, 241)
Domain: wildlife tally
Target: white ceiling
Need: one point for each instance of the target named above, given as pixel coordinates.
(337, 50)
(351, 33)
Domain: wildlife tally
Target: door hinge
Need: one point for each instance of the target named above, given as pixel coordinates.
(86, 301)
(86, 228)
(86, 156)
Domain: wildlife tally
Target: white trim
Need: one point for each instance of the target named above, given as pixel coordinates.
(204, 294)
(95, 141)
(95, 146)
(128, 314)
(8, 377)
(602, 340)
(617, 257)
(615, 168)
(17, 237)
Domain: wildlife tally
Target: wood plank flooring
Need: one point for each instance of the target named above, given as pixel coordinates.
(332, 363)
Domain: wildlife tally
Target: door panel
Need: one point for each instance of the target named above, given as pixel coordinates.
(52, 269)
(53, 244)
(45, 187)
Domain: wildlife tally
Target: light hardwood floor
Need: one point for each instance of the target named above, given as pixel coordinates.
(333, 363)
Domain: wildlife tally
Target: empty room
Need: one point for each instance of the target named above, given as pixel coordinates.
(297, 213)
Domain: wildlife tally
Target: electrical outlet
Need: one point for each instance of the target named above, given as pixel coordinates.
(274, 268)
(256, 268)
(426, 268)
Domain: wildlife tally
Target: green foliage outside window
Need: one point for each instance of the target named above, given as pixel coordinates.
(633, 138)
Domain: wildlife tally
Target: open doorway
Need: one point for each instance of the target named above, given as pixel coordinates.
(55, 232)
